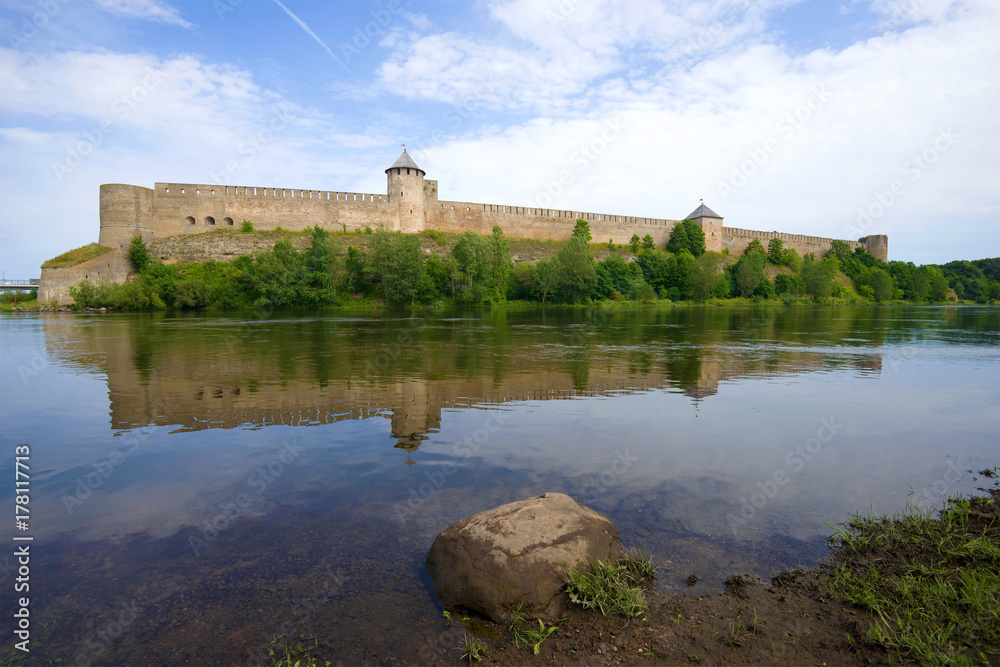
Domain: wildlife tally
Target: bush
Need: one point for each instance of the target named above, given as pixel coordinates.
(246, 227)
(789, 284)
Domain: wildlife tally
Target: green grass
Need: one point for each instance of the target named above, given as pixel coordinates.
(27, 299)
(473, 650)
(528, 635)
(76, 256)
(930, 579)
(613, 588)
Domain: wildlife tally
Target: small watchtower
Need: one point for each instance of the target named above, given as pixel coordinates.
(710, 223)
(405, 187)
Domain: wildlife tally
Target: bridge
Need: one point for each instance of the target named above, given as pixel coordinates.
(6, 284)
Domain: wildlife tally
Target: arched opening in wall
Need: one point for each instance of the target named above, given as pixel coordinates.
(228, 221)
(407, 172)
(209, 220)
(189, 220)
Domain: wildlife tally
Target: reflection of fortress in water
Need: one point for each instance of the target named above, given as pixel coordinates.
(211, 377)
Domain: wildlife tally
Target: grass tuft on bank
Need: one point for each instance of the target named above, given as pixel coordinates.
(930, 579)
(76, 256)
(613, 587)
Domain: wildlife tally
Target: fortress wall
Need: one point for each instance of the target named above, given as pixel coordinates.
(738, 239)
(55, 283)
(541, 223)
(187, 208)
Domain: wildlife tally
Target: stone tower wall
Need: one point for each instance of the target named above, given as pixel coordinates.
(408, 189)
(126, 212)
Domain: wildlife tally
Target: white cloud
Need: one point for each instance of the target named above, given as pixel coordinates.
(419, 21)
(148, 10)
(74, 120)
(881, 110)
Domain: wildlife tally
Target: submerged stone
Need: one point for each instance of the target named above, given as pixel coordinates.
(517, 554)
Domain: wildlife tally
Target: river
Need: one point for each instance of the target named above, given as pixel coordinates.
(200, 483)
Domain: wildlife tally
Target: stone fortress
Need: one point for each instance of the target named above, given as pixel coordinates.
(410, 205)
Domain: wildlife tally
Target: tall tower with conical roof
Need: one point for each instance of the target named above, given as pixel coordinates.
(405, 186)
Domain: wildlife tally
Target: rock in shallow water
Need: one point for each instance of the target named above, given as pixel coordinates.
(517, 554)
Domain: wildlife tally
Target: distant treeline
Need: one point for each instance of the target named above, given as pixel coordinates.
(393, 269)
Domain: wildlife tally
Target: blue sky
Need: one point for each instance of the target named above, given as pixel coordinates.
(821, 118)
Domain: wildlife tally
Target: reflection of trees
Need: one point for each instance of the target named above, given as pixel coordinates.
(683, 366)
(319, 351)
(315, 369)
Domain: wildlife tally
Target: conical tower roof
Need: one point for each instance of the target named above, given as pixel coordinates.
(404, 161)
(702, 212)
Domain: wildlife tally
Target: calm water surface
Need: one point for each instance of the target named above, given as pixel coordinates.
(202, 483)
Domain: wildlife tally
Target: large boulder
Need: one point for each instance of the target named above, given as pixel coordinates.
(517, 554)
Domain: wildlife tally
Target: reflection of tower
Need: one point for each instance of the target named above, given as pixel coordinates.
(417, 414)
(707, 383)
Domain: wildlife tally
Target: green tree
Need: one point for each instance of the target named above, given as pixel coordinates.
(839, 249)
(320, 262)
(881, 284)
(749, 271)
(789, 283)
(138, 254)
(577, 273)
(617, 273)
(397, 265)
(500, 265)
(275, 276)
(706, 275)
(582, 229)
(472, 254)
(939, 285)
(357, 269)
(633, 243)
(687, 235)
(523, 281)
(790, 258)
(755, 246)
(818, 276)
(648, 243)
(546, 278)
(775, 251)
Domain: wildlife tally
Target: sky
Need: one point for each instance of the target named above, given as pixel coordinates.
(835, 119)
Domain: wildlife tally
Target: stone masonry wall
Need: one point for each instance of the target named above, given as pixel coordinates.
(185, 208)
(171, 209)
(55, 283)
(738, 239)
